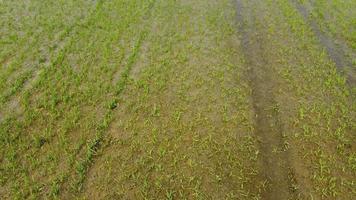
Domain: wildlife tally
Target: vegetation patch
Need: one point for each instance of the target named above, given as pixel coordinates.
(177, 99)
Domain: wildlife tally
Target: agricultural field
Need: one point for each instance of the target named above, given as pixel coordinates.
(178, 99)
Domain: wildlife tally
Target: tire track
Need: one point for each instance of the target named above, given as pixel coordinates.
(275, 168)
(335, 53)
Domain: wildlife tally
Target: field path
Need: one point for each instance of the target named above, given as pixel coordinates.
(275, 166)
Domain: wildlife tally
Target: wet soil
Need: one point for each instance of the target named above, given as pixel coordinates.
(275, 167)
(336, 52)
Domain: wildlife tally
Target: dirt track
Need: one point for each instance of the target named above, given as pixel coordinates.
(337, 53)
(274, 165)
